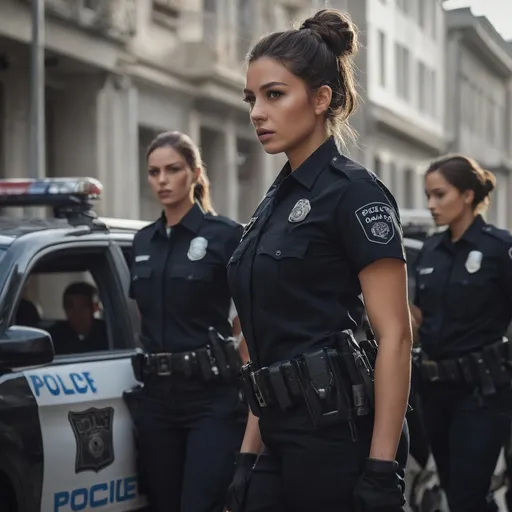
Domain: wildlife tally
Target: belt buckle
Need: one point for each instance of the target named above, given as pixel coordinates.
(257, 390)
(432, 370)
(163, 365)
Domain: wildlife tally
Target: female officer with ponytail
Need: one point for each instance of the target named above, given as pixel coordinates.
(463, 306)
(186, 421)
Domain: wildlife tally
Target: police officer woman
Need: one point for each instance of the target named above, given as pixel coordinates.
(326, 231)
(462, 307)
(186, 420)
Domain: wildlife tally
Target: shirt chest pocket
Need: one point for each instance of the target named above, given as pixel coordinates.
(282, 256)
(192, 273)
(471, 293)
(141, 283)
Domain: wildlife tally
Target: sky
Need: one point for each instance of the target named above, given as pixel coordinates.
(499, 12)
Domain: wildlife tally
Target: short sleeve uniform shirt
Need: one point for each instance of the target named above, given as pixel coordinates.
(464, 290)
(294, 275)
(178, 279)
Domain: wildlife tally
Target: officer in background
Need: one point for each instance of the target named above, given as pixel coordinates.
(186, 418)
(326, 231)
(462, 308)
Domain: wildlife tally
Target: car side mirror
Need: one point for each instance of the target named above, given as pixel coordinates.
(22, 347)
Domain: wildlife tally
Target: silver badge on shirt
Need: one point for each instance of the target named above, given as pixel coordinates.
(300, 211)
(197, 248)
(474, 261)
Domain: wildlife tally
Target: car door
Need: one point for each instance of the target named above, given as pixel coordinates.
(87, 433)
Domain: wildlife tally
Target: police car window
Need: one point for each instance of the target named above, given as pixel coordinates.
(68, 294)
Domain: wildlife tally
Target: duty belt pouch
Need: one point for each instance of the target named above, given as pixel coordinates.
(493, 357)
(138, 365)
(227, 359)
(247, 372)
(204, 364)
(359, 373)
(483, 375)
(323, 387)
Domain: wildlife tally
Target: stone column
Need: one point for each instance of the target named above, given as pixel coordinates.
(16, 124)
(118, 145)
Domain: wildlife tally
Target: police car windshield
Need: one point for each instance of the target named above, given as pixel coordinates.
(3, 251)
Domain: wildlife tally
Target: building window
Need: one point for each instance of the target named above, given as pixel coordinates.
(422, 12)
(409, 188)
(382, 58)
(245, 27)
(403, 71)
(433, 93)
(422, 87)
(491, 122)
(170, 8)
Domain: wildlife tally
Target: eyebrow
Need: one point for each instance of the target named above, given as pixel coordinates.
(268, 85)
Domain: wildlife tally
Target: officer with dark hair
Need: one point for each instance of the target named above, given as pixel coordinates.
(187, 413)
(462, 308)
(329, 410)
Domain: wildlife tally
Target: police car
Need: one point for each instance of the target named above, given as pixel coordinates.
(66, 439)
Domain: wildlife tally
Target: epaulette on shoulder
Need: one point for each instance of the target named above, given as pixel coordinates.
(148, 227)
(350, 169)
(500, 234)
(222, 219)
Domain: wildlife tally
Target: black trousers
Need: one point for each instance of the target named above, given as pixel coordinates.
(187, 440)
(466, 435)
(311, 469)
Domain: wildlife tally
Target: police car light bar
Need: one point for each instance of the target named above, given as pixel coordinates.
(49, 191)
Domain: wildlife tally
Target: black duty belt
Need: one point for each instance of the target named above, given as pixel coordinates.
(335, 382)
(487, 368)
(192, 363)
(219, 359)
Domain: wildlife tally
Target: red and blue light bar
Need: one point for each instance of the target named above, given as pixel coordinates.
(48, 191)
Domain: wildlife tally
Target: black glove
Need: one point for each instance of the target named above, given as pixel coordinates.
(237, 491)
(380, 488)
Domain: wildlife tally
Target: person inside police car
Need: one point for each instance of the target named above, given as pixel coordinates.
(186, 419)
(326, 231)
(82, 331)
(462, 307)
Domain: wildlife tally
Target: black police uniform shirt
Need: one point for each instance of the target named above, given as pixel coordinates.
(464, 290)
(178, 280)
(294, 276)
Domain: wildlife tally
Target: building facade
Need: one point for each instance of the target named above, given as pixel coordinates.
(120, 71)
(402, 78)
(479, 92)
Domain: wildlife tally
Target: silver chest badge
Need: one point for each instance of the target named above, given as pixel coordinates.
(300, 211)
(474, 261)
(197, 248)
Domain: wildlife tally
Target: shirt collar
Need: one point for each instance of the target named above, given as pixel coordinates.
(471, 235)
(191, 221)
(307, 173)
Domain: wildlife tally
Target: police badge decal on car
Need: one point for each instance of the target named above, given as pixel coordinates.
(94, 438)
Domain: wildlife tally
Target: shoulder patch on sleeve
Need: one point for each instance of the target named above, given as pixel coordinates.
(376, 220)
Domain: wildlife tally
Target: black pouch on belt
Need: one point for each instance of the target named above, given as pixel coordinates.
(220, 359)
(493, 355)
(247, 372)
(361, 378)
(138, 364)
(323, 387)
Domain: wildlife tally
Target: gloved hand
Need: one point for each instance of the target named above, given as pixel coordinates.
(380, 488)
(237, 491)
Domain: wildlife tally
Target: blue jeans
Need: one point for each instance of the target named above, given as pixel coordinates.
(466, 436)
(187, 440)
